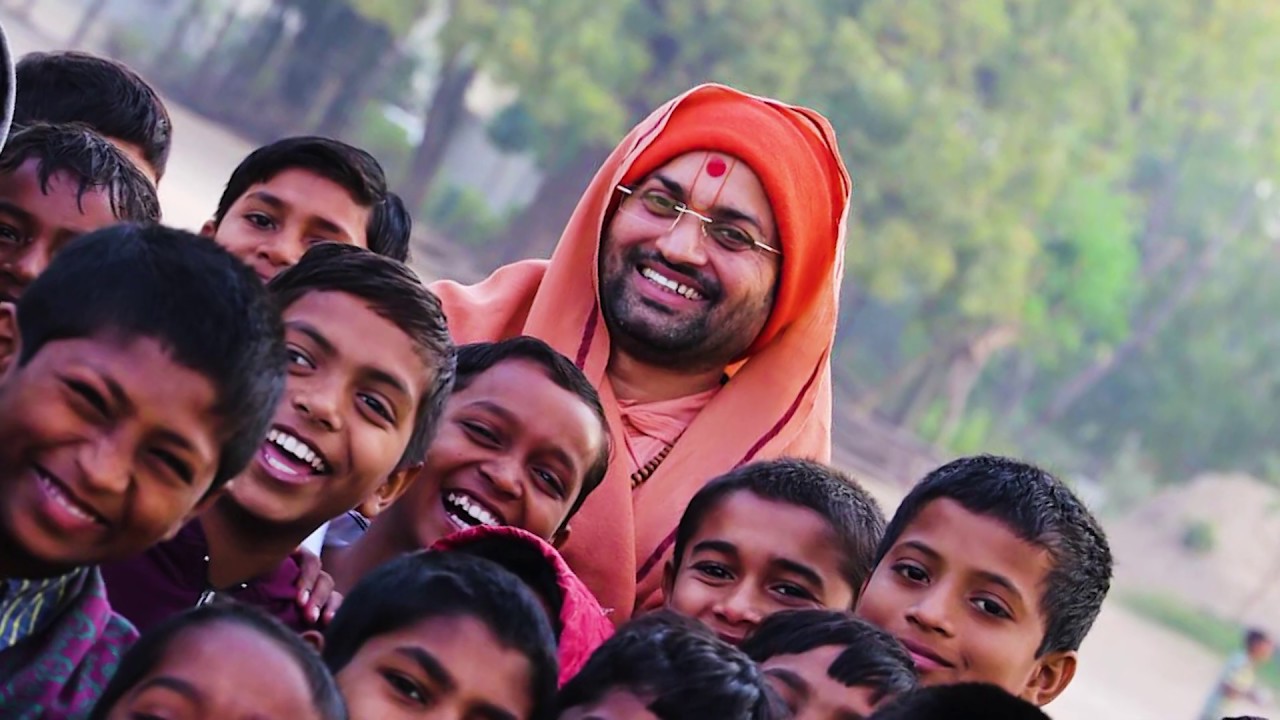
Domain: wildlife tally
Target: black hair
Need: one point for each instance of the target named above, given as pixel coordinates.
(678, 668)
(96, 164)
(871, 657)
(151, 648)
(965, 701)
(526, 561)
(1040, 509)
(854, 516)
(1254, 636)
(476, 358)
(356, 171)
(203, 305)
(76, 87)
(394, 292)
(425, 585)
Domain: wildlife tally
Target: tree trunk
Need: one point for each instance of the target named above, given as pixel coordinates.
(444, 112)
(216, 49)
(87, 21)
(536, 229)
(166, 61)
(1155, 321)
(967, 364)
(361, 81)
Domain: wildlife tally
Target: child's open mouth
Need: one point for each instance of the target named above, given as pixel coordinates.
(465, 511)
(291, 459)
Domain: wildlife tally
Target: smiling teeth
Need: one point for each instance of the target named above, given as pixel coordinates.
(471, 512)
(678, 288)
(297, 448)
(66, 502)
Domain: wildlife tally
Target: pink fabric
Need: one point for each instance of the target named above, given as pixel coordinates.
(584, 626)
(650, 427)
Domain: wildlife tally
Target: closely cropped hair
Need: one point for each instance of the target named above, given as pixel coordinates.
(871, 657)
(394, 292)
(1041, 510)
(150, 650)
(426, 585)
(966, 701)
(476, 358)
(678, 667)
(94, 162)
(197, 300)
(76, 87)
(353, 169)
(854, 516)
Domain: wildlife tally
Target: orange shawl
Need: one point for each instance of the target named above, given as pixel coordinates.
(778, 402)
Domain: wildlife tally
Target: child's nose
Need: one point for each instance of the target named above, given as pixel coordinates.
(932, 612)
(740, 606)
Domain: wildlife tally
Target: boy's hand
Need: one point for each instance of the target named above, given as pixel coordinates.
(316, 597)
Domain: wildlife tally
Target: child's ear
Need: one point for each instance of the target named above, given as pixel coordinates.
(561, 537)
(315, 639)
(209, 228)
(389, 491)
(1053, 673)
(9, 338)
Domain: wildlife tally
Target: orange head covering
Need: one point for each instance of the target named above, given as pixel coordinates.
(804, 178)
(779, 400)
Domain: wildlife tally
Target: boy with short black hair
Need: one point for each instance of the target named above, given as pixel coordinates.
(370, 366)
(774, 535)
(58, 182)
(77, 87)
(991, 570)
(1239, 680)
(294, 193)
(523, 441)
(668, 667)
(140, 373)
(828, 665)
(966, 701)
(449, 630)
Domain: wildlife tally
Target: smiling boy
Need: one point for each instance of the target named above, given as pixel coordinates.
(991, 571)
(140, 372)
(370, 364)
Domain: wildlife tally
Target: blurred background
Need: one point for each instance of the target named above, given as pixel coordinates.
(1063, 246)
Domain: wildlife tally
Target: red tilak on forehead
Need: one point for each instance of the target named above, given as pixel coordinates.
(716, 167)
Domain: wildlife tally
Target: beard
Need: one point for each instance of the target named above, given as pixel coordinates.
(706, 337)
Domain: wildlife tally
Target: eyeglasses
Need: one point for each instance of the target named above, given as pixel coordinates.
(663, 212)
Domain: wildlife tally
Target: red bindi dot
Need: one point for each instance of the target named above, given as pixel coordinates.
(716, 167)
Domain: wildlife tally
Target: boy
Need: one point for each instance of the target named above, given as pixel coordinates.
(774, 535)
(370, 364)
(76, 87)
(666, 667)
(991, 571)
(968, 701)
(140, 374)
(523, 442)
(58, 182)
(448, 633)
(1239, 677)
(827, 665)
(289, 195)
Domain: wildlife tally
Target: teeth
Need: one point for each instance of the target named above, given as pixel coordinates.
(297, 448)
(472, 513)
(67, 503)
(678, 288)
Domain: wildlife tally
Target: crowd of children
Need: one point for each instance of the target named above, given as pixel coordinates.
(172, 429)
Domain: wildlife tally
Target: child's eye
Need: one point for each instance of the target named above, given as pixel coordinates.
(299, 358)
(481, 432)
(88, 394)
(259, 220)
(377, 406)
(715, 571)
(991, 607)
(174, 463)
(794, 592)
(551, 481)
(911, 572)
(406, 687)
(10, 236)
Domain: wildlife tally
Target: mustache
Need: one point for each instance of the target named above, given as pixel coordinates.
(707, 285)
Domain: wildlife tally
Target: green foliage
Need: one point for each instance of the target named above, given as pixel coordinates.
(1199, 537)
(462, 214)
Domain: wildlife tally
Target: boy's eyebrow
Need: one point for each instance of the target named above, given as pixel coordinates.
(328, 348)
(986, 575)
(278, 203)
(797, 568)
(721, 546)
(429, 665)
(493, 712)
(510, 418)
(720, 212)
(790, 678)
(17, 211)
(181, 687)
